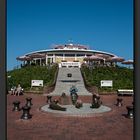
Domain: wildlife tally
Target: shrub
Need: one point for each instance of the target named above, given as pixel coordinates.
(24, 75)
(122, 77)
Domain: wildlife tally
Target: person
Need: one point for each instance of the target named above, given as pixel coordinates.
(13, 90)
(18, 90)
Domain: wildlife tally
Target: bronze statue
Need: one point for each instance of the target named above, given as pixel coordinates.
(54, 105)
(96, 102)
(74, 95)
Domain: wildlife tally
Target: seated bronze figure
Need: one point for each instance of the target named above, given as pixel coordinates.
(55, 106)
(96, 102)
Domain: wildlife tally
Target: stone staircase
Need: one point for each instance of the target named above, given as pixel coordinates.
(64, 83)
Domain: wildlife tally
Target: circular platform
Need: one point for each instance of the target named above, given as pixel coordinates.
(71, 110)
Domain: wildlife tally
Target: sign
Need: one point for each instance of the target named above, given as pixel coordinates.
(37, 83)
(106, 83)
(70, 64)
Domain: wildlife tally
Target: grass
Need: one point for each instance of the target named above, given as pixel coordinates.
(122, 77)
(24, 76)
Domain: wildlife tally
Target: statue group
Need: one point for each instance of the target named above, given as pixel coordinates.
(64, 100)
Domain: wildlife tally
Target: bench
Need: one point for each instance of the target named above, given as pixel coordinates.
(125, 92)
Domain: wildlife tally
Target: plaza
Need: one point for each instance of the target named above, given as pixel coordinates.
(108, 122)
(111, 125)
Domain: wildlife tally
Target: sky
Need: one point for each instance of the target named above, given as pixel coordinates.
(104, 25)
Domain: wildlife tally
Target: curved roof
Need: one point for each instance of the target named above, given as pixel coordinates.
(93, 57)
(70, 50)
(71, 46)
(115, 59)
(24, 58)
(127, 62)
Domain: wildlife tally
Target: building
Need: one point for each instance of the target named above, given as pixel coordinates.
(65, 55)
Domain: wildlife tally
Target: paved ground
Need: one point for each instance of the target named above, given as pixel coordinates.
(47, 126)
(64, 83)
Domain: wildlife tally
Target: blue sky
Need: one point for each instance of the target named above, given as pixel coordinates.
(105, 25)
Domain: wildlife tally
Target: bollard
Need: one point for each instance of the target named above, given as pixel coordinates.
(130, 112)
(119, 102)
(16, 106)
(28, 102)
(26, 115)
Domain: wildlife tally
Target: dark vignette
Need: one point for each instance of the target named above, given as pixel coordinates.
(2, 69)
(137, 69)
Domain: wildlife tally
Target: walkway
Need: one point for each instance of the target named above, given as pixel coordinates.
(64, 83)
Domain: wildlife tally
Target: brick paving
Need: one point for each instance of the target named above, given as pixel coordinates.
(46, 126)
